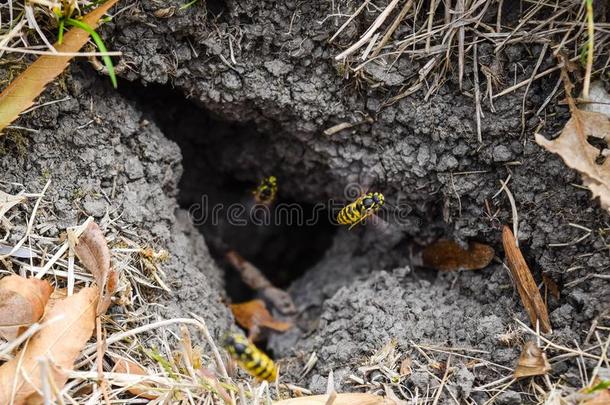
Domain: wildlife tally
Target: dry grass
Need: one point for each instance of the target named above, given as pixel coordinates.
(442, 38)
(179, 371)
(30, 27)
(390, 370)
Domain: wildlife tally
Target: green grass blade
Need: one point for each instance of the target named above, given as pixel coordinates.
(100, 45)
(60, 36)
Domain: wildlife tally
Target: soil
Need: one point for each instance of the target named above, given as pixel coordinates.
(188, 122)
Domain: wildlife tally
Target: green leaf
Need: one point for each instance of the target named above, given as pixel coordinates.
(601, 386)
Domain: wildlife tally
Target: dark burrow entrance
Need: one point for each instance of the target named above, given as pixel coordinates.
(277, 240)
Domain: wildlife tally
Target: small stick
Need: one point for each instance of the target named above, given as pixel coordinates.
(461, 34)
(393, 27)
(99, 345)
(525, 82)
(499, 17)
(529, 83)
(513, 207)
(345, 24)
(443, 381)
(369, 33)
(431, 12)
(477, 92)
(249, 273)
(590, 43)
(256, 280)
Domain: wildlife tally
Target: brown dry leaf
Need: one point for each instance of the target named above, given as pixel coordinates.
(59, 343)
(92, 250)
(447, 255)
(142, 389)
(253, 315)
(22, 303)
(576, 147)
(406, 366)
(532, 361)
(528, 290)
(341, 399)
(21, 92)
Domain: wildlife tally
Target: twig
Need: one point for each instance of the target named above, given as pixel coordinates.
(443, 381)
(529, 83)
(513, 207)
(477, 92)
(431, 12)
(461, 34)
(393, 27)
(369, 33)
(556, 346)
(345, 24)
(255, 279)
(590, 43)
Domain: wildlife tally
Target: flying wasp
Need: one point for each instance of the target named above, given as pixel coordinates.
(266, 191)
(357, 211)
(249, 357)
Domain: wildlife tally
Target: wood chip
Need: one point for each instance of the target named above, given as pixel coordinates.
(526, 286)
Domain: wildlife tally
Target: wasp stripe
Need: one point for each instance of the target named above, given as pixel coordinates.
(360, 209)
(250, 358)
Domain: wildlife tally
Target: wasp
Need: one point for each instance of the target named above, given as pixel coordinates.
(250, 357)
(357, 211)
(266, 191)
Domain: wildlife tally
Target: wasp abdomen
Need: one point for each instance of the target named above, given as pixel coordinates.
(250, 358)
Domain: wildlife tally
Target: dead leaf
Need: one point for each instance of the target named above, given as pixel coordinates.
(532, 361)
(21, 92)
(92, 250)
(142, 389)
(406, 366)
(253, 315)
(599, 398)
(583, 145)
(447, 255)
(598, 393)
(59, 343)
(341, 399)
(526, 286)
(22, 303)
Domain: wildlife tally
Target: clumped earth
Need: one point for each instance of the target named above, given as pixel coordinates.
(187, 122)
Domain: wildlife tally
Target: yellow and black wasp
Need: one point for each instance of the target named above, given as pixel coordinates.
(250, 357)
(362, 208)
(266, 191)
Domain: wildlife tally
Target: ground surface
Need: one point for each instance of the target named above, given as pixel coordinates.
(266, 115)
